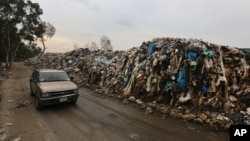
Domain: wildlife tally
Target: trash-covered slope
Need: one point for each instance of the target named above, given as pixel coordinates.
(184, 78)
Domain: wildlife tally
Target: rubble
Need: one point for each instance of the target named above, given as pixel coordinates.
(17, 139)
(8, 124)
(2, 130)
(3, 137)
(3, 76)
(185, 78)
(23, 104)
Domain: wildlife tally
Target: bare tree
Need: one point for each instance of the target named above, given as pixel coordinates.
(49, 31)
(76, 47)
(106, 43)
(87, 46)
(19, 23)
(94, 46)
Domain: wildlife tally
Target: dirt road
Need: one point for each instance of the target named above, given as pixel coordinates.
(94, 118)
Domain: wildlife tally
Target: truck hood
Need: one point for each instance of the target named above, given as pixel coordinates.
(57, 86)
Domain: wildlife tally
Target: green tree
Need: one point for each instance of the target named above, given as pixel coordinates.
(26, 51)
(19, 23)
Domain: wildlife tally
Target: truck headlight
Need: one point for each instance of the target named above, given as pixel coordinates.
(76, 91)
(45, 95)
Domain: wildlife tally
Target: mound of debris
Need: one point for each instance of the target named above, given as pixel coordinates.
(183, 78)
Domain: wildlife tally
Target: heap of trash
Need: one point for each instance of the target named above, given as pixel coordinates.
(183, 78)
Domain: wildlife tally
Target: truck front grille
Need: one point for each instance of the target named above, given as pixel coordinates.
(61, 93)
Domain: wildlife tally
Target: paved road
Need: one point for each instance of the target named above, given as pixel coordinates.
(95, 117)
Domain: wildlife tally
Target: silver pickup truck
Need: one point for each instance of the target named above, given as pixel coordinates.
(51, 86)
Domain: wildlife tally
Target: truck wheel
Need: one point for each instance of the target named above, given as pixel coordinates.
(38, 104)
(73, 102)
(31, 93)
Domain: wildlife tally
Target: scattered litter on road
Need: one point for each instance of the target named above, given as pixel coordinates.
(23, 104)
(2, 76)
(10, 100)
(2, 130)
(17, 139)
(8, 124)
(6, 114)
(148, 110)
(134, 136)
(3, 137)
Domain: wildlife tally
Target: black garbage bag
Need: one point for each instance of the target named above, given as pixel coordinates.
(237, 118)
(246, 99)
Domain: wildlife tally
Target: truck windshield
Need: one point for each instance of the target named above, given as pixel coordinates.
(53, 76)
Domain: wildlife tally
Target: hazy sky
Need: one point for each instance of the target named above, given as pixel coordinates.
(127, 23)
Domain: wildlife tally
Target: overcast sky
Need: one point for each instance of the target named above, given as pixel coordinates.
(127, 23)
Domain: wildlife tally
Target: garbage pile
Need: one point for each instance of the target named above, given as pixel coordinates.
(183, 78)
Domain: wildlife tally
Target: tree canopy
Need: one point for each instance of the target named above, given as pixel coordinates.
(20, 23)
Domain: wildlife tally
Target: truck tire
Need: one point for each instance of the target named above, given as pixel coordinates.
(73, 102)
(38, 104)
(31, 92)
